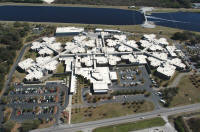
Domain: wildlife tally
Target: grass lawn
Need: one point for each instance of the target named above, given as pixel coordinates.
(61, 77)
(60, 68)
(64, 39)
(159, 30)
(132, 126)
(29, 54)
(187, 93)
(159, 10)
(18, 77)
(108, 111)
(7, 114)
(55, 78)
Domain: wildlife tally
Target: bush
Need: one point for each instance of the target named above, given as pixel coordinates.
(179, 125)
(186, 35)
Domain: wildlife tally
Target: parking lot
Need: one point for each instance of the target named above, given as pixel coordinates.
(37, 101)
(136, 78)
(132, 78)
(189, 53)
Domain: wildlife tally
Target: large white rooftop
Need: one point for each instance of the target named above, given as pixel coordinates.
(113, 60)
(171, 50)
(87, 61)
(177, 62)
(167, 70)
(34, 73)
(154, 62)
(150, 37)
(45, 51)
(111, 42)
(155, 48)
(124, 48)
(51, 66)
(42, 59)
(89, 43)
(145, 43)
(120, 37)
(101, 60)
(132, 43)
(69, 30)
(79, 38)
(49, 39)
(35, 45)
(113, 75)
(25, 64)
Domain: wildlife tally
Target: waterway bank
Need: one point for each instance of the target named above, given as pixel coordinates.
(156, 9)
(137, 29)
(102, 16)
(169, 10)
(68, 5)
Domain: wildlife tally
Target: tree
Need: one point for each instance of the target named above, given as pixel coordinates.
(178, 122)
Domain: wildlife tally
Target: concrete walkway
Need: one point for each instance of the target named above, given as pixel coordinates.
(69, 108)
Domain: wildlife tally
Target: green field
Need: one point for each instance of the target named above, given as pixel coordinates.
(158, 10)
(133, 126)
(187, 94)
(108, 111)
(60, 68)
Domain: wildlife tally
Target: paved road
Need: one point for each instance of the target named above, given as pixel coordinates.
(118, 120)
(178, 78)
(14, 66)
(9, 78)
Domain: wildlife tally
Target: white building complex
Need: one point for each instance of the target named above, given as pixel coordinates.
(45, 63)
(63, 31)
(92, 56)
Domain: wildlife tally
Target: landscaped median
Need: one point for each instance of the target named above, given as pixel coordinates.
(110, 110)
(132, 126)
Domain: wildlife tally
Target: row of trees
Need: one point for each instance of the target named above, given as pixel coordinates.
(23, 1)
(156, 3)
(179, 124)
(10, 41)
(128, 92)
(190, 37)
(159, 3)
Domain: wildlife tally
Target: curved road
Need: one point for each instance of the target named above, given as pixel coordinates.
(14, 66)
(118, 120)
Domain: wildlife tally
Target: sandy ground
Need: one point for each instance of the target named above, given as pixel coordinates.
(48, 1)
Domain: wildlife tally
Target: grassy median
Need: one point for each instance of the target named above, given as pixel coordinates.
(132, 126)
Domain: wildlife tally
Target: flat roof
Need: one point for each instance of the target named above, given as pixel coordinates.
(69, 29)
(113, 75)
